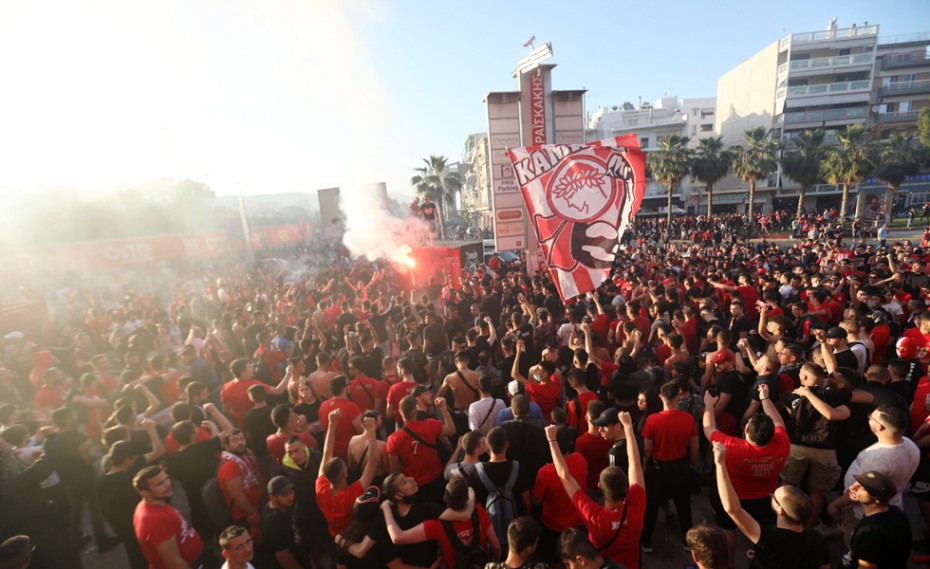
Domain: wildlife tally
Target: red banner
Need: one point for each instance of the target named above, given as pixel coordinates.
(580, 200)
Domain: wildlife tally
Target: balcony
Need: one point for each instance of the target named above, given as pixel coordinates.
(829, 88)
(905, 88)
(828, 64)
(903, 60)
(830, 35)
(897, 117)
(656, 190)
(826, 115)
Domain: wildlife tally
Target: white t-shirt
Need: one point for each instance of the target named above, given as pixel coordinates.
(484, 410)
(897, 462)
(226, 566)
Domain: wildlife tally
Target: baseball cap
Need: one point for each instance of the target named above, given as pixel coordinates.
(280, 485)
(723, 356)
(877, 485)
(367, 505)
(608, 417)
(836, 332)
(419, 390)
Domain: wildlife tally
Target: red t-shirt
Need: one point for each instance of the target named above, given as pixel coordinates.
(155, 524)
(420, 462)
(364, 400)
(754, 470)
(750, 298)
(607, 373)
(919, 407)
(337, 509)
(171, 445)
(344, 430)
(558, 512)
(689, 333)
(235, 398)
(546, 395)
(397, 392)
(275, 444)
(463, 530)
(599, 326)
(602, 524)
(670, 433)
(576, 417)
(881, 337)
(923, 342)
(662, 353)
(48, 398)
(594, 449)
(252, 485)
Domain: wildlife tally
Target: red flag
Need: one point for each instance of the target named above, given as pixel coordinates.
(580, 199)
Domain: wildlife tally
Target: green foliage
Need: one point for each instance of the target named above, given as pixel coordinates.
(440, 185)
(850, 162)
(923, 125)
(755, 161)
(670, 163)
(802, 162)
(710, 163)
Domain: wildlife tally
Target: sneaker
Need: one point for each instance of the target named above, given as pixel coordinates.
(646, 547)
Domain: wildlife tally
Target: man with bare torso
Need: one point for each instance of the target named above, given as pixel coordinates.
(464, 385)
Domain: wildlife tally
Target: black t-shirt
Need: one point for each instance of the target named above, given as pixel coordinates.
(279, 533)
(118, 499)
(434, 337)
(528, 445)
(372, 361)
(807, 426)
(257, 425)
(882, 539)
(454, 327)
(196, 464)
(737, 325)
(732, 384)
(419, 364)
(779, 548)
(846, 358)
(62, 450)
(417, 554)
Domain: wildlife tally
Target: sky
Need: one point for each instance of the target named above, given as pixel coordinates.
(268, 96)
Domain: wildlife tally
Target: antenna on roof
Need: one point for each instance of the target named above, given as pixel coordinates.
(529, 42)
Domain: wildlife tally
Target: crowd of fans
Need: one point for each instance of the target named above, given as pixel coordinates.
(320, 412)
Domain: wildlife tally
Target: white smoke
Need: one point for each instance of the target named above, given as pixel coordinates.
(372, 231)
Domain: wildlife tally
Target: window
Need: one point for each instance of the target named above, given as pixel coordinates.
(904, 106)
(693, 130)
(707, 128)
(844, 51)
(644, 142)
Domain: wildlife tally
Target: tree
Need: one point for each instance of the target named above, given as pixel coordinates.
(670, 164)
(754, 162)
(849, 163)
(711, 163)
(897, 159)
(923, 125)
(802, 163)
(438, 184)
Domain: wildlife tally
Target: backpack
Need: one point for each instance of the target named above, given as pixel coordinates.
(471, 556)
(214, 503)
(500, 504)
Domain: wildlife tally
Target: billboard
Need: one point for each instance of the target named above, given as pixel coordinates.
(330, 212)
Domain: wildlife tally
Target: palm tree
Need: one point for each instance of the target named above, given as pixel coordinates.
(755, 162)
(849, 163)
(670, 164)
(897, 159)
(440, 185)
(711, 163)
(803, 161)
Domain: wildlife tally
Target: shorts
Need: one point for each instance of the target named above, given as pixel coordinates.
(759, 508)
(818, 463)
(921, 481)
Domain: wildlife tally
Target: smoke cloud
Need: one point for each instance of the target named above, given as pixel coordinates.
(372, 231)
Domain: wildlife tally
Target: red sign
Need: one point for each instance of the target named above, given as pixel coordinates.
(537, 109)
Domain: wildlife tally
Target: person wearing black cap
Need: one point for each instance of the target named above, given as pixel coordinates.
(883, 537)
(280, 538)
(835, 348)
(608, 425)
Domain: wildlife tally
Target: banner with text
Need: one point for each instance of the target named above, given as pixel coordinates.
(580, 199)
